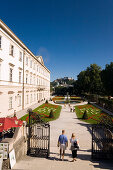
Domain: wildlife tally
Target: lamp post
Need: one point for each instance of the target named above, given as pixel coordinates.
(29, 131)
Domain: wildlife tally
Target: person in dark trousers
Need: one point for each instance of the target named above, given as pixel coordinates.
(71, 109)
(63, 144)
(74, 148)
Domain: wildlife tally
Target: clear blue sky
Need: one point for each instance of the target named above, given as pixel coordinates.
(69, 34)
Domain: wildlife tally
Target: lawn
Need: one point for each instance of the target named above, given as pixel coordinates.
(94, 114)
(44, 111)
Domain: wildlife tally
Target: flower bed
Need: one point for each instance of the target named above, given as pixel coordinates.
(75, 98)
(57, 98)
(44, 111)
(94, 114)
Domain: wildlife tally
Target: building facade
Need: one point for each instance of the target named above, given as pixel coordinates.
(24, 79)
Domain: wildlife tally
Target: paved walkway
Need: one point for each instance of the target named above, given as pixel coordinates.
(70, 123)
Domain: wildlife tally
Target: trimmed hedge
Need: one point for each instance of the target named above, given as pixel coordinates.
(102, 101)
(85, 116)
(106, 103)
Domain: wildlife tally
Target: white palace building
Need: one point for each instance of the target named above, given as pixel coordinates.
(24, 79)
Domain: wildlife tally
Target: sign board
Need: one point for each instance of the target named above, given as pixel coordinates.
(12, 158)
(1, 160)
(4, 149)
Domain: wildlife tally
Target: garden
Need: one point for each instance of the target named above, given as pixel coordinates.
(66, 99)
(90, 114)
(57, 98)
(46, 111)
(75, 98)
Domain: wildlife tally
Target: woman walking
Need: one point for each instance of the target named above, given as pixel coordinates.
(74, 146)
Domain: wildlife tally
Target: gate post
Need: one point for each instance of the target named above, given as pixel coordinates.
(48, 153)
(92, 141)
(29, 131)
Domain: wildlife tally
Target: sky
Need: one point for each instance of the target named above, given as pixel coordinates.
(69, 34)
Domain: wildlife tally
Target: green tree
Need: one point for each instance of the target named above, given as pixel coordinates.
(60, 90)
(85, 116)
(107, 78)
(94, 75)
(83, 81)
(51, 114)
(89, 80)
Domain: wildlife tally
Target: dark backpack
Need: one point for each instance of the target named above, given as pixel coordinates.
(76, 144)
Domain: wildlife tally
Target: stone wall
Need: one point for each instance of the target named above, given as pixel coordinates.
(20, 148)
(18, 143)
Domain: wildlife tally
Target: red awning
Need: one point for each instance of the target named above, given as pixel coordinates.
(8, 123)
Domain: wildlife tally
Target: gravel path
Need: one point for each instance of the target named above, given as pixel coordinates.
(70, 123)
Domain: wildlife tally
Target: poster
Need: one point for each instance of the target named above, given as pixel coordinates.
(4, 149)
(12, 158)
(1, 160)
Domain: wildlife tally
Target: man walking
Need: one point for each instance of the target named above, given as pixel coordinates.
(63, 143)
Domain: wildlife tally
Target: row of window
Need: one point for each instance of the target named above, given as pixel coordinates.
(28, 79)
(11, 102)
(11, 49)
(36, 81)
(30, 63)
(32, 99)
(11, 52)
(36, 67)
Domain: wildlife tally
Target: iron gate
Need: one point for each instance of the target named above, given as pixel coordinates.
(38, 136)
(102, 142)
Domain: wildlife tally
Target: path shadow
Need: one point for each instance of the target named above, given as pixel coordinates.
(84, 156)
(103, 164)
(88, 126)
(66, 154)
(57, 154)
(77, 118)
(84, 150)
(57, 159)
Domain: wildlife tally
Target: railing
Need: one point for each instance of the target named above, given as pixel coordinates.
(38, 136)
(102, 142)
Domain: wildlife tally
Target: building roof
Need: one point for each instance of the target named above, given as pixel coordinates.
(9, 32)
(40, 59)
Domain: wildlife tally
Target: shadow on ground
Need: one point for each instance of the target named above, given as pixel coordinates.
(58, 159)
(88, 126)
(102, 164)
(84, 157)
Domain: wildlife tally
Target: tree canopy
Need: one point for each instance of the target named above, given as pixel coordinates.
(93, 80)
(89, 80)
(107, 78)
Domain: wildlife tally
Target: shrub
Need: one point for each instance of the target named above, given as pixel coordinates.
(51, 115)
(85, 116)
(67, 101)
(46, 102)
(14, 115)
(88, 102)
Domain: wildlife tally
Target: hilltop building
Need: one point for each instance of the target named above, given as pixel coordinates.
(24, 79)
(65, 82)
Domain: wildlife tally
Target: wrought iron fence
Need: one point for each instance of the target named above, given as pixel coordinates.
(102, 141)
(38, 136)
